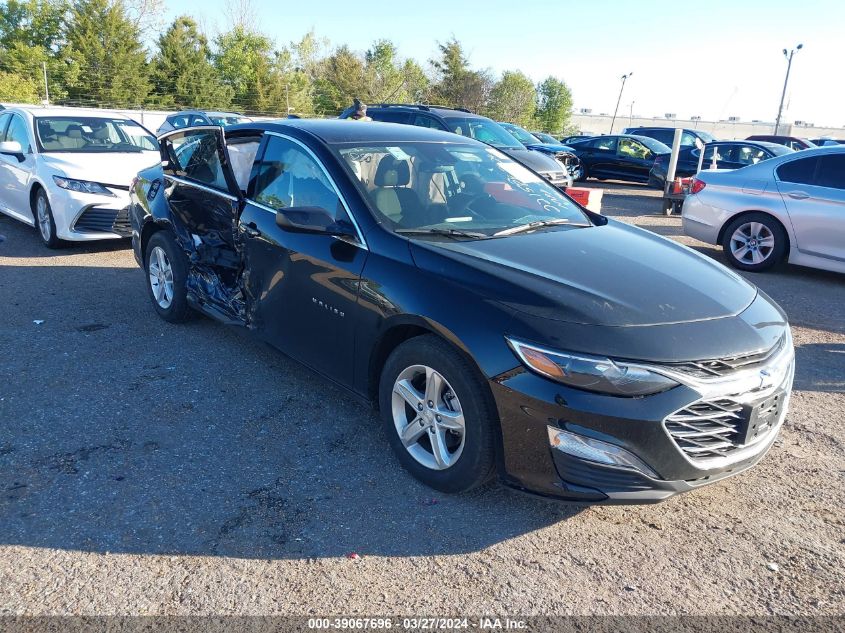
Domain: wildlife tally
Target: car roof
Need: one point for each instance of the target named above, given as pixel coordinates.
(335, 131)
(39, 111)
(444, 111)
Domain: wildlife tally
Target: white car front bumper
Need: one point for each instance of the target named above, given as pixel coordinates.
(83, 217)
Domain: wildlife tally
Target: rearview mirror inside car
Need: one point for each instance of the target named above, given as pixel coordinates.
(311, 220)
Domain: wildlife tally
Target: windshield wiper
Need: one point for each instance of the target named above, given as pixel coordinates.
(447, 232)
(533, 225)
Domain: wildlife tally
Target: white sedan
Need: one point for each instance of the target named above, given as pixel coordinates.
(791, 208)
(67, 171)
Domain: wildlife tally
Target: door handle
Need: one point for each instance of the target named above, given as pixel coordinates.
(798, 195)
(251, 230)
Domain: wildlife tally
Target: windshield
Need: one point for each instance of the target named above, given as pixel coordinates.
(92, 135)
(546, 138)
(655, 146)
(779, 150)
(705, 137)
(447, 189)
(521, 135)
(483, 130)
(228, 119)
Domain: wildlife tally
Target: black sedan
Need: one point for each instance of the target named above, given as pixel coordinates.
(618, 157)
(500, 328)
(717, 155)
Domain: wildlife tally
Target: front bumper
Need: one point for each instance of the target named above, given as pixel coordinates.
(85, 216)
(531, 408)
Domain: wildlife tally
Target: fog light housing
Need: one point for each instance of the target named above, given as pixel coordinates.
(593, 450)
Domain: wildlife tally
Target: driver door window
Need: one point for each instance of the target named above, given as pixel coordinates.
(17, 132)
(287, 176)
(196, 156)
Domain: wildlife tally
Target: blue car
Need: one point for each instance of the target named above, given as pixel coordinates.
(563, 153)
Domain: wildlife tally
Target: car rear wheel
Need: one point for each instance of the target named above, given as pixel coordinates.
(44, 221)
(436, 416)
(754, 242)
(167, 271)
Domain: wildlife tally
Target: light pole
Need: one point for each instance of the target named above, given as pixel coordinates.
(624, 79)
(786, 81)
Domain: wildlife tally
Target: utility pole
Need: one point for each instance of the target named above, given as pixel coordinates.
(624, 79)
(786, 81)
(46, 88)
(287, 98)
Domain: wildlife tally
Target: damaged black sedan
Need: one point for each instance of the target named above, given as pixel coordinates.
(500, 328)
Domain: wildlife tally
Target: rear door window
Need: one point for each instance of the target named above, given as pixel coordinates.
(800, 171)
(831, 171)
(606, 144)
(424, 120)
(389, 116)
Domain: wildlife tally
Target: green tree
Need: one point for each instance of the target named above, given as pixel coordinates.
(554, 106)
(343, 77)
(244, 61)
(17, 89)
(105, 52)
(284, 88)
(457, 85)
(31, 35)
(182, 74)
(513, 99)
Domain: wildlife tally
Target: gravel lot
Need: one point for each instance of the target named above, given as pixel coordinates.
(147, 468)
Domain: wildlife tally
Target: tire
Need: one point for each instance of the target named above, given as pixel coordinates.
(469, 456)
(44, 222)
(165, 263)
(763, 238)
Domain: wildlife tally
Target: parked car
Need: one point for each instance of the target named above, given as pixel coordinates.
(67, 172)
(792, 142)
(618, 157)
(787, 208)
(560, 152)
(576, 356)
(190, 118)
(728, 154)
(826, 141)
(666, 135)
(465, 123)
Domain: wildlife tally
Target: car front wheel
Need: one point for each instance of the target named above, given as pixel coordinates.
(438, 420)
(167, 270)
(754, 242)
(44, 220)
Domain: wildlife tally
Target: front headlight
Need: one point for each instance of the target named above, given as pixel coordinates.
(82, 186)
(591, 373)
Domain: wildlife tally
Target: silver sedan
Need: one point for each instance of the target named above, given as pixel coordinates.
(787, 208)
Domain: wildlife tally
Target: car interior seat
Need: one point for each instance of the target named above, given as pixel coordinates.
(392, 195)
(73, 138)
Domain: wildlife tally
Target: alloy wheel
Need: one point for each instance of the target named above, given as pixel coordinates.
(43, 216)
(161, 277)
(428, 417)
(752, 243)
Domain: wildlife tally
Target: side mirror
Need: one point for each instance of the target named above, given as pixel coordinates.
(312, 220)
(13, 148)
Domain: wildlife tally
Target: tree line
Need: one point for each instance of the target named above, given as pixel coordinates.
(91, 53)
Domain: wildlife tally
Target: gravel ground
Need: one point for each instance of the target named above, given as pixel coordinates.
(147, 468)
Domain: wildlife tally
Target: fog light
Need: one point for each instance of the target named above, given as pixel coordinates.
(597, 451)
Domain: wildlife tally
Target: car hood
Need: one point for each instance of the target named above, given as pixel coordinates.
(550, 147)
(611, 275)
(108, 168)
(532, 159)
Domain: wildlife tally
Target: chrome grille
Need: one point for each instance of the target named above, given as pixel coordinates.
(716, 428)
(726, 366)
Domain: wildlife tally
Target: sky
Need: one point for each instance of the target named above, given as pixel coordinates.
(711, 58)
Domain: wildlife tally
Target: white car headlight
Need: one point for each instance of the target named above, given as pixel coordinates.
(82, 186)
(591, 373)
